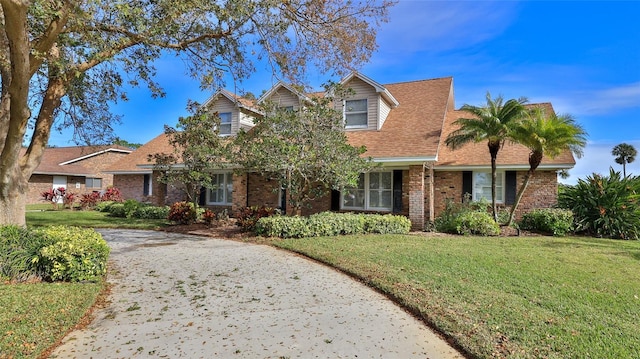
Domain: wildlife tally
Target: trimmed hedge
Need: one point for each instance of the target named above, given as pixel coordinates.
(555, 221)
(331, 224)
(57, 253)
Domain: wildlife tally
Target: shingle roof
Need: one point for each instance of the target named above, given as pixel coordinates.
(66, 160)
(477, 154)
(413, 128)
(129, 163)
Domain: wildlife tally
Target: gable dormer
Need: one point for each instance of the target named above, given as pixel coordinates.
(235, 112)
(370, 104)
(284, 96)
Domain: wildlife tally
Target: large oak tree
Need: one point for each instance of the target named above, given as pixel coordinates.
(62, 61)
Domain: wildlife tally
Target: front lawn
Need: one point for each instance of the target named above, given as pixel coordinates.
(517, 297)
(89, 218)
(33, 317)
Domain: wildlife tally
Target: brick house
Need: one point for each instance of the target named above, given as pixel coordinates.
(403, 127)
(79, 169)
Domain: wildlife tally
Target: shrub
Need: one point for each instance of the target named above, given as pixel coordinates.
(89, 200)
(605, 206)
(476, 222)
(555, 221)
(130, 206)
(467, 218)
(331, 224)
(183, 213)
(247, 217)
(117, 210)
(75, 254)
(208, 216)
(151, 212)
(19, 253)
(111, 194)
(104, 206)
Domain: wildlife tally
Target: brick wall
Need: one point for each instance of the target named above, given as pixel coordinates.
(446, 185)
(263, 191)
(37, 185)
(131, 187)
(97, 164)
(416, 197)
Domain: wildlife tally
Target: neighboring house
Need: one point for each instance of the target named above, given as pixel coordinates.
(403, 126)
(78, 169)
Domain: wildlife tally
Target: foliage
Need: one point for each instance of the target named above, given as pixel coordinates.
(467, 218)
(487, 123)
(19, 251)
(89, 200)
(605, 206)
(545, 134)
(554, 221)
(247, 217)
(183, 213)
(104, 206)
(305, 150)
(208, 216)
(59, 195)
(112, 194)
(117, 210)
(332, 224)
(198, 150)
(76, 254)
(92, 219)
(521, 297)
(130, 206)
(625, 153)
(150, 212)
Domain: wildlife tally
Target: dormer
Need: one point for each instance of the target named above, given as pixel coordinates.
(235, 112)
(368, 107)
(285, 96)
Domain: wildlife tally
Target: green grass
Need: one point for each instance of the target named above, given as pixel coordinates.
(519, 297)
(92, 219)
(33, 317)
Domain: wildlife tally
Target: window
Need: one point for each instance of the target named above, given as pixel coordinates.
(482, 186)
(355, 113)
(222, 189)
(225, 123)
(374, 192)
(93, 182)
(147, 185)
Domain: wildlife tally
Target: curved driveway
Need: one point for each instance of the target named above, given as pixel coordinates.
(195, 297)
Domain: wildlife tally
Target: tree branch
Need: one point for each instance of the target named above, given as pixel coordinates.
(42, 45)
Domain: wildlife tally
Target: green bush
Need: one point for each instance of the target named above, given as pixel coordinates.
(467, 218)
(117, 209)
(130, 206)
(605, 206)
(151, 212)
(103, 206)
(331, 224)
(247, 217)
(183, 213)
(555, 221)
(75, 254)
(19, 253)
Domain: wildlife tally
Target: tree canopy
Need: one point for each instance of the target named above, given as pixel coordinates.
(625, 153)
(62, 62)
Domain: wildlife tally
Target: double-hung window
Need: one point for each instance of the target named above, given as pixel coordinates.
(220, 193)
(374, 192)
(482, 186)
(355, 113)
(93, 182)
(225, 123)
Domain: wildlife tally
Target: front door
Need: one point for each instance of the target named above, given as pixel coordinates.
(59, 181)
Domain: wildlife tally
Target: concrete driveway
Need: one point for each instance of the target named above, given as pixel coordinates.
(195, 297)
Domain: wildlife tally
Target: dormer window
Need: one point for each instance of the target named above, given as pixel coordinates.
(225, 123)
(355, 113)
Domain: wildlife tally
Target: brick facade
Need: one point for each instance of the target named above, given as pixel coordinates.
(416, 197)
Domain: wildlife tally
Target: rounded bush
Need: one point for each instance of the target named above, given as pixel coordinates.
(151, 212)
(117, 209)
(555, 221)
(476, 223)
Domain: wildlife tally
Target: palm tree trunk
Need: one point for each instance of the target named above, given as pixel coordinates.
(493, 150)
(523, 188)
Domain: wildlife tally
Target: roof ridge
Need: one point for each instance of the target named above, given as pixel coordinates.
(423, 80)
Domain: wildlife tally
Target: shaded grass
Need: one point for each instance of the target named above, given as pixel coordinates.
(33, 317)
(504, 297)
(93, 219)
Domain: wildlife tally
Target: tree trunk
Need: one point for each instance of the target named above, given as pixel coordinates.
(523, 188)
(12, 205)
(493, 150)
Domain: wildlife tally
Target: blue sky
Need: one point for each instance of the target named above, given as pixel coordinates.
(582, 56)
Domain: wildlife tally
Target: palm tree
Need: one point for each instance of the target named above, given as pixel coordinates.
(625, 153)
(489, 123)
(545, 135)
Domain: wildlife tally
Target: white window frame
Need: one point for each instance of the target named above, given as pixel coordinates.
(147, 177)
(227, 194)
(367, 195)
(347, 113)
(93, 180)
(224, 124)
(500, 187)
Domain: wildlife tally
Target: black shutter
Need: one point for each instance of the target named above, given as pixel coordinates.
(335, 200)
(283, 200)
(397, 191)
(510, 187)
(467, 183)
(202, 197)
